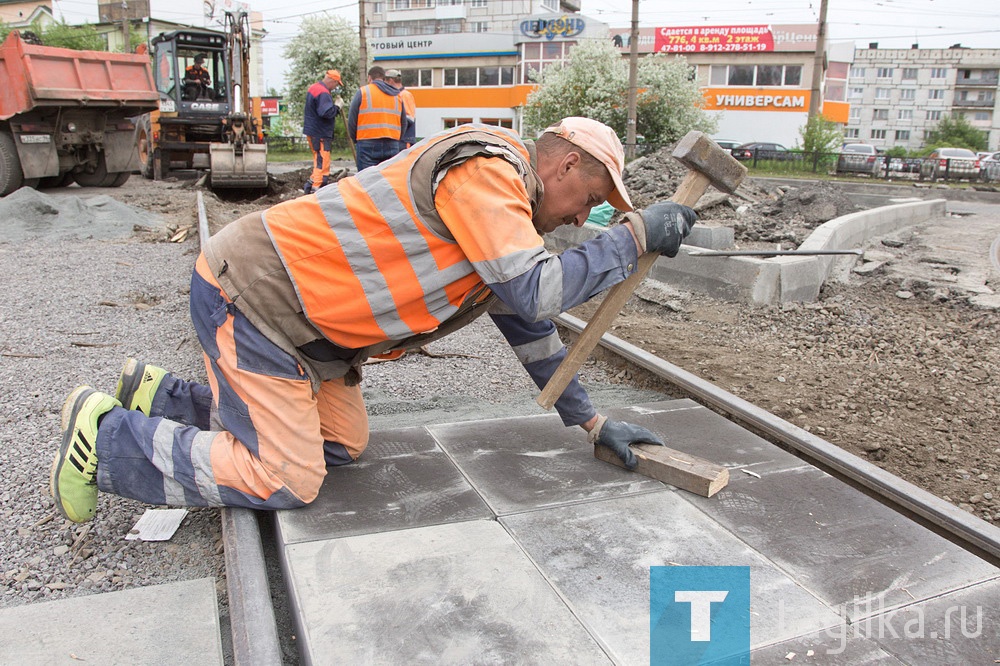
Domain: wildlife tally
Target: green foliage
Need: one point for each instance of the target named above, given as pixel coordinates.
(956, 132)
(897, 151)
(81, 37)
(820, 135)
(594, 84)
(323, 42)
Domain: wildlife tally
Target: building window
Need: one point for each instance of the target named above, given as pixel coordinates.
(479, 26)
(882, 93)
(378, 7)
(902, 135)
(852, 133)
(855, 113)
(400, 4)
(741, 75)
(909, 73)
(378, 32)
(498, 122)
(907, 94)
(759, 75)
(793, 75)
(455, 122)
(981, 115)
(855, 93)
(880, 114)
(933, 115)
(477, 3)
(857, 72)
(878, 134)
(905, 114)
(769, 75)
(937, 93)
(939, 72)
(536, 56)
(883, 72)
(478, 76)
(416, 78)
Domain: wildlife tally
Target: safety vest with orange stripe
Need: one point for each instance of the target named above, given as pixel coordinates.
(379, 115)
(371, 259)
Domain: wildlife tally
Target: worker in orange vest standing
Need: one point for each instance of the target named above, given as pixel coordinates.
(395, 79)
(377, 121)
(289, 302)
(321, 111)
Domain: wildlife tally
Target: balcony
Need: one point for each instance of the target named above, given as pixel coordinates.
(973, 103)
(984, 80)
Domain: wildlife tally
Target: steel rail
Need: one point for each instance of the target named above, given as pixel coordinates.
(964, 529)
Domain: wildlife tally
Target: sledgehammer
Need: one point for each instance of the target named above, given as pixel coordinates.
(710, 165)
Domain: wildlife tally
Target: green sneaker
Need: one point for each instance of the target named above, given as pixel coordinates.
(72, 481)
(137, 385)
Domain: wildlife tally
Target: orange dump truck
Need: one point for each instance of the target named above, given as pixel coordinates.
(66, 115)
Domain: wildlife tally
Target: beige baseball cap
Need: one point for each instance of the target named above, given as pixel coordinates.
(393, 74)
(601, 142)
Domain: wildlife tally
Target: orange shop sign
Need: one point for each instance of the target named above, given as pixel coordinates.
(715, 39)
(755, 99)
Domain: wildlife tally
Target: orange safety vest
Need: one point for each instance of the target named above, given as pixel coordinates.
(393, 271)
(378, 115)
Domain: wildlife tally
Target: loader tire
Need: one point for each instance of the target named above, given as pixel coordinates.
(11, 176)
(144, 146)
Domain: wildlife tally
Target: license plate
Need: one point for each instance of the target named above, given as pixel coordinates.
(36, 138)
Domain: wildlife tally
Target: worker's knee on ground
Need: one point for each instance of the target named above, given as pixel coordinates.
(306, 487)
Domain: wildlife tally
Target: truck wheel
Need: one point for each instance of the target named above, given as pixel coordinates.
(99, 177)
(144, 146)
(11, 176)
(118, 179)
(62, 180)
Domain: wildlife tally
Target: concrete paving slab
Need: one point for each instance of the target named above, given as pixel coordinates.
(835, 646)
(525, 463)
(958, 628)
(839, 543)
(448, 594)
(403, 479)
(176, 623)
(692, 428)
(598, 555)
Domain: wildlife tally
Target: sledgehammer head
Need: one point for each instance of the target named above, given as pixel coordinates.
(699, 153)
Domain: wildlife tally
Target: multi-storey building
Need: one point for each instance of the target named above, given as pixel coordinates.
(898, 95)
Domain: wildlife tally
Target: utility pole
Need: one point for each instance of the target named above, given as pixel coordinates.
(362, 46)
(633, 65)
(819, 65)
(127, 46)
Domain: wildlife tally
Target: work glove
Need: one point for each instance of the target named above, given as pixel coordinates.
(617, 435)
(662, 227)
(339, 101)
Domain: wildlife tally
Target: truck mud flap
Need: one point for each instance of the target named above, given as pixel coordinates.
(233, 167)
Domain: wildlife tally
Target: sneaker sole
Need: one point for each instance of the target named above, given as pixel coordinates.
(70, 410)
(129, 382)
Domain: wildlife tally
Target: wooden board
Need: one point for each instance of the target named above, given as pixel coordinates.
(677, 468)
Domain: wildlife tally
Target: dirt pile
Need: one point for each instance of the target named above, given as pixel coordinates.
(757, 214)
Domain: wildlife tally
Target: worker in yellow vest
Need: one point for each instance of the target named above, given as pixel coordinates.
(288, 303)
(376, 121)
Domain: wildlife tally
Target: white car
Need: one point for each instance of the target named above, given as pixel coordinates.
(989, 168)
(728, 144)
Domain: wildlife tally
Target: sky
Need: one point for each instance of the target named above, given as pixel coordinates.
(891, 23)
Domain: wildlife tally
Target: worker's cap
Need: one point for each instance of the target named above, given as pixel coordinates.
(601, 142)
(200, 57)
(334, 74)
(393, 74)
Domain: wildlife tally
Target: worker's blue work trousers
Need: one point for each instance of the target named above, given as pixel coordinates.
(370, 152)
(277, 435)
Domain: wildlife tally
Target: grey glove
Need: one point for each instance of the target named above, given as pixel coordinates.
(663, 226)
(339, 101)
(617, 435)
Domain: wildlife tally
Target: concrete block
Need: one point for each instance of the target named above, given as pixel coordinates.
(711, 236)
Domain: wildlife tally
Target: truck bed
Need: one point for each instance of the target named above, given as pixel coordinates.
(33, 76)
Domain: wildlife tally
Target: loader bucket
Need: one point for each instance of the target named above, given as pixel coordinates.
(233, 167)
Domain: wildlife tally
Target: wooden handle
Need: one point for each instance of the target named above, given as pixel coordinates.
(690, 190)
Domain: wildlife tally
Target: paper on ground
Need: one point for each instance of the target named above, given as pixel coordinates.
(157, 524)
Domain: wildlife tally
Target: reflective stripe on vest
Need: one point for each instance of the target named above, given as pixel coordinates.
(366, 266)
(378, 115)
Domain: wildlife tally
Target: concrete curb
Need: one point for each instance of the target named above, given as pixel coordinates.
(778, 279)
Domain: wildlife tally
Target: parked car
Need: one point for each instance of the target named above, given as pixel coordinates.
(728, 144)
(764, 151)
(860, 158)
(950, 164)
(989, 168)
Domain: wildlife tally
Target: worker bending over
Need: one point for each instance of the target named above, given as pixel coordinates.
(289, 302)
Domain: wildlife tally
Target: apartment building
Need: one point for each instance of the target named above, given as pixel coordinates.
(897, 96)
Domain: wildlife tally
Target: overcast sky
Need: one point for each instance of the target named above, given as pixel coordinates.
(891, 23)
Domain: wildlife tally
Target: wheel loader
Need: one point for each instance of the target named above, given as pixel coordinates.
(206, 118)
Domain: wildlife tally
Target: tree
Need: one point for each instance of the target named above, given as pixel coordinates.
(956, 132)
(594, 83)
(323, 42)
(81, 37)
(820, 135)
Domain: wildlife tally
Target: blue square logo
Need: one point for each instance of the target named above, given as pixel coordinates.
(699, 615)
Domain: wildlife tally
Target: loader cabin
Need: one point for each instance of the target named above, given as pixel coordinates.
(190, 70)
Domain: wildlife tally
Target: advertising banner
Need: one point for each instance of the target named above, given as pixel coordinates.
(715, 39)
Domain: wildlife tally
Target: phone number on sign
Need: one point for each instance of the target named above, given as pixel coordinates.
(712, 48)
